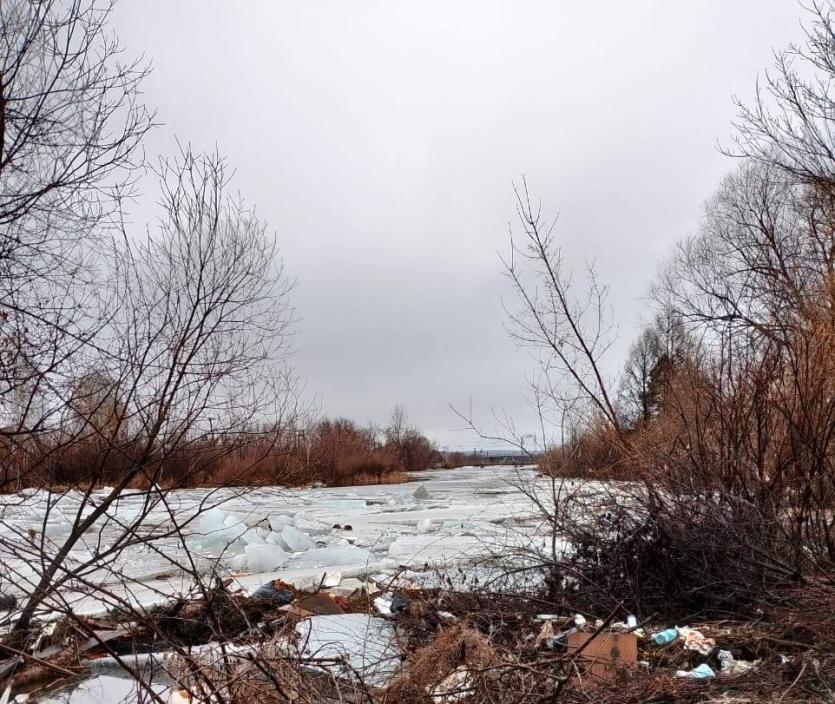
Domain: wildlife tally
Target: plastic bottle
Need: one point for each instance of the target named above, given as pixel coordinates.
(666, 636)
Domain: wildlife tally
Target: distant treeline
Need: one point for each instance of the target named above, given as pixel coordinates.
(332, 451)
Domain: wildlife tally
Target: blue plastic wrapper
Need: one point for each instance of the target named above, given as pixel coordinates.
(666, 636)
(279, 596)
(702, 672)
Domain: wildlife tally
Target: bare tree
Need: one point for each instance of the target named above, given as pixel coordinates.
(71, 124)
(662, 349)
(398, 426)
(789, 123)
(202, 335)
(71, 127)
(570, 332)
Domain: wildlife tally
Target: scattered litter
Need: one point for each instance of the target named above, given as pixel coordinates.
(695, 640)
(101, 636)
(546, 633)
(559, 640)
(603, 654)
(732, 666)
(342, 601)
(383, 605)
(455, 687)
(399, 604)
(138, 661)
(628, 626)
(579, 620)
(666, 636)
(702, 672)
(276, 591)
(320, 604)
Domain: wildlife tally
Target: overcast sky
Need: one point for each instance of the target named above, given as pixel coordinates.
(381, 139)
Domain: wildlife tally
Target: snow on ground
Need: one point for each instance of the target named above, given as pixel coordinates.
(440, 518)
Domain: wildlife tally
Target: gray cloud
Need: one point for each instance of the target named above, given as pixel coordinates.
(380, 140)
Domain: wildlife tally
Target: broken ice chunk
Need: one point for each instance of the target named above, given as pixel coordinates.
(294, 540)
(332, 555)
(239, 563)
(212, 520)
(264, 558)
(278, 521)
(215, 529)
(367, 643)
(421, 494)
(306, 523)
(253, 535)
(342, 504)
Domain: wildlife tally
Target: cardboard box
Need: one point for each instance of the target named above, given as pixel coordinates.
(605, 653)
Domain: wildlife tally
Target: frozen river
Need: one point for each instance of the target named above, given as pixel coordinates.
(440, 518)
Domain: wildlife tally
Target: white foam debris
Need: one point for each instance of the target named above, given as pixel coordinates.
(383, 605)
